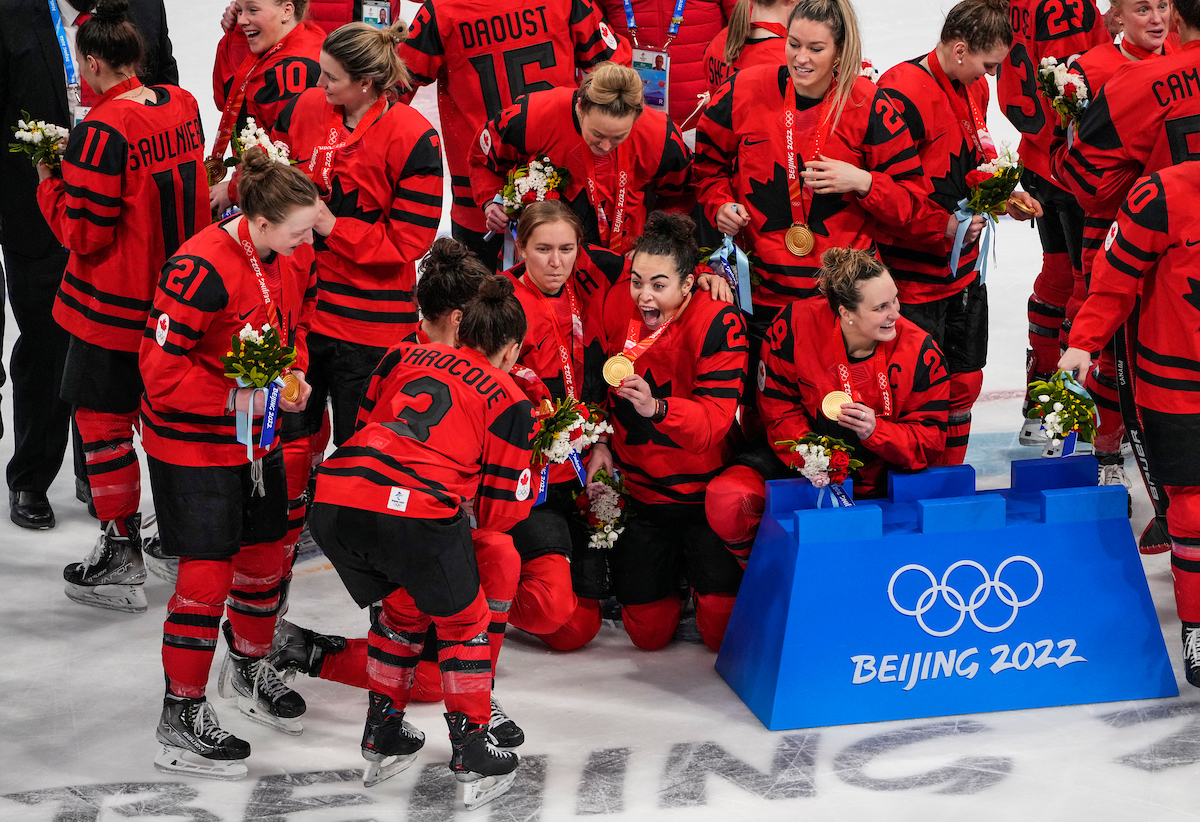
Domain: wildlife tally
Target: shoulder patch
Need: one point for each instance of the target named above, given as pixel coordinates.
(931, 368)
(425, 157)
(193, 281)
(97, 146)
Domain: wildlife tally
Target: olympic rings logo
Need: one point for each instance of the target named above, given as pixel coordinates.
(953, 598)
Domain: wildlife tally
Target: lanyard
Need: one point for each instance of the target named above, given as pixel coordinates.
(633, 350)
(320, 166)
(233, 104)
(775, 28)
(566, 353)
(610, 236)
(1139, 53)
(672, 30)
(790, 117)
(68, 62)
(843, 370)
(970, 120)
(252, 256)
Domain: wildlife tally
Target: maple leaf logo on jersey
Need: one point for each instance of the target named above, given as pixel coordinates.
(639, 430)
(342, 204)
(772, 201)
(948, 190)
(1193, 298)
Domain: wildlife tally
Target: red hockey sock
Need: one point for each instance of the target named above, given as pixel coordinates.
(499, 574)
(193, 622)
(545, 599)
(393, 647)
(1101, 383)
(1048, 308)
(112, 465)
(427, 682)
(579, 630)
(964, 390)
(348, 666)
(254, 597)
(712, 617)
(734, 505)
(465, 658)
(651, 625)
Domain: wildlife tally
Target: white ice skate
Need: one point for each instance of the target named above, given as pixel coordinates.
(164, 567)
(194, 744)
(261, 695)
(1032, 433)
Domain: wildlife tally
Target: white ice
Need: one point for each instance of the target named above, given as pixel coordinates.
(612, 732)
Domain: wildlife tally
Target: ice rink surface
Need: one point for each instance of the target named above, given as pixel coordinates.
(613, 732)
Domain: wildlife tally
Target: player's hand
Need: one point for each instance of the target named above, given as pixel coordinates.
(305, 392)
(973, 230)
(717, 286)
(325, 220)
(732, 218)
(635, 389)
(1076, 361)
(600, 457)
(1018, 213)
(44, 171)
(229, 17)
(859, 418)
(495, 217)
(826, 176)
(218, 198)
(241, 401)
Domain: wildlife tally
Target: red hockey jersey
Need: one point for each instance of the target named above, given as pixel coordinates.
(653, 159)
(922, 269)
(132, 189)
(550, 321)
(698, 366)
(275, 80)
(386, 191)
(741, 157)
(1143, 120)
(702, 21)
(1152, 246)
(438, 425)
(484, 57)
(206, 294)
(767, 51)
(1042, 28)
(904, 381)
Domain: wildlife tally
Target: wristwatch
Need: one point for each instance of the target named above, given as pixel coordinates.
(660, 411)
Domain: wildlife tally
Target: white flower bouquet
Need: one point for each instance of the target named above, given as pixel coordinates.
(42, 141)
(567, 428)
(1066, 91)
(540, 180)
(603, 509)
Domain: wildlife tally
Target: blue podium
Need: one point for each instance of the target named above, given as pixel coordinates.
(941, 600)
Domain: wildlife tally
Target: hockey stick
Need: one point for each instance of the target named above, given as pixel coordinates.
(1155, 539)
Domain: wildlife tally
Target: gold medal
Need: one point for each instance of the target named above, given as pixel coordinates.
(799, 240)
(214, 167)
(291, 388)
(617, 368)
(831, 406)
(1013, 201)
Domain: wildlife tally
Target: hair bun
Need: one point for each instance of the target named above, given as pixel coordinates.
(448, 252)
(111, 11)
(676, 228)
(255, 161)
(495, 289)
(397, 32)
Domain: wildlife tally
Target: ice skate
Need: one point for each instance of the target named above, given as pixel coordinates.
(1032, 433)
(389, 743)
(295, 649)
(485, 771)
(261, 695)
(114, 575)
(1054, 448)
(164, 567)
(1191, 652)
(505, 733)
(1112, 472)
(193, 743)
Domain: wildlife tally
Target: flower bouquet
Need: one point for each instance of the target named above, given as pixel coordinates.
(1067, 411)
(540, 180)
(565, 429)
(1066, 91)
(821, 460)
(869, 71)
(40, 140)
(258, 359)
(603, 510)
(254, 135)
(989, 188)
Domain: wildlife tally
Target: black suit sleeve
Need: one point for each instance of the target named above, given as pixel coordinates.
(167, 69)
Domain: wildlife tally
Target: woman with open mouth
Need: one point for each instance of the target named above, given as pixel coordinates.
(268, 59)
(852, 345)
(676, 364)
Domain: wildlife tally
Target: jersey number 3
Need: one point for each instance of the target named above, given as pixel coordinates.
(420, 422)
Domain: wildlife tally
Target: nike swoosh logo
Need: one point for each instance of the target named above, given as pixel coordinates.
(1190, 243)
(246, 315)
(748, 142)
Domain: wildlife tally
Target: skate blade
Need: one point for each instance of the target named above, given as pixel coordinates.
(165, 569)
(188, 763)
(252, 710)
(385, 768)
(128, 598)
(480, 790)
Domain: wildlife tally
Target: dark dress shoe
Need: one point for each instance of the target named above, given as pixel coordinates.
(30, 509)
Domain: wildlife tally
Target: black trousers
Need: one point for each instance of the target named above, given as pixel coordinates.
(41, 419)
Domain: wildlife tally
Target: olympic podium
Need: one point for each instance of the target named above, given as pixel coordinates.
(941, 600)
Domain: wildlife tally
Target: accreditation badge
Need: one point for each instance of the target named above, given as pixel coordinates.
(377, 12)
(654, 67)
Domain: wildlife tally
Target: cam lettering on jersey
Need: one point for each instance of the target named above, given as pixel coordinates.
(166, 145)
(501, 28)
(1180, 85)
(455, 365)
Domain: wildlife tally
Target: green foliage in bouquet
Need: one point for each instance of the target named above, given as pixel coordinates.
(256, 359)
